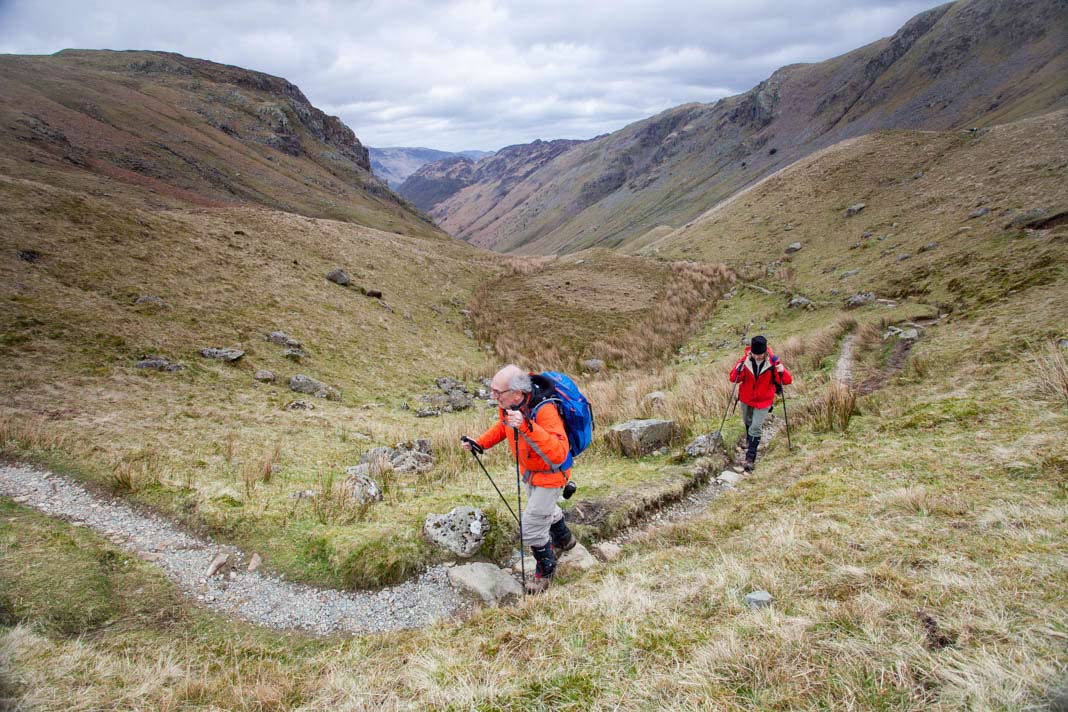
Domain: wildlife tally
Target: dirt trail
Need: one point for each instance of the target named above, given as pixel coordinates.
(256, 597)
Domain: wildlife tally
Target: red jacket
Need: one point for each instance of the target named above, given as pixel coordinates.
(757, 390)
(546, 431)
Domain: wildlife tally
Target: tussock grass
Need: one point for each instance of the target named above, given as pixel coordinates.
(831, 409)
(824, 342)
(1050, 373)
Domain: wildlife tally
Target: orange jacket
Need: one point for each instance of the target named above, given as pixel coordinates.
(547, 433)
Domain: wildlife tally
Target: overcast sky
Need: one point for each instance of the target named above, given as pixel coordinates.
(481, 74)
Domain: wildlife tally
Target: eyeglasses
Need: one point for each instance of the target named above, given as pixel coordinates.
(497, 394)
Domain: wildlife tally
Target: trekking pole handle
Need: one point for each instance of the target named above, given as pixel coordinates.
(475, 447)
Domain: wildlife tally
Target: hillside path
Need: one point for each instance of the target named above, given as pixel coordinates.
(256, 597)
(843, 371)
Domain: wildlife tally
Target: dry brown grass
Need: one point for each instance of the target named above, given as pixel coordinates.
(830, 409)
(1049, 372)
(824, 342)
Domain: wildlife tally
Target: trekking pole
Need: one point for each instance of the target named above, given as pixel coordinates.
(519, 519)
(725, 410)
(782, 394)
(474, 454)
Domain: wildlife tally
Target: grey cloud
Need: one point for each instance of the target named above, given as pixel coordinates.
(478, 73)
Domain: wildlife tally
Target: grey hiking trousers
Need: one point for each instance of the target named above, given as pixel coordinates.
(754, 419)
(541, 513)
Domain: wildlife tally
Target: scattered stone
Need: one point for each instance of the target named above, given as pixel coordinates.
(254, 563)
(158, 363)
(656, 399)
(635, 438)
(283, 339)
(799, 302)
(593, 365)
(406, 458)
(1062, 343)
(793, 247)
(758, 599)
(729, 478)
(868, 234)
(264, 376)
(148, 299)
(456, 397)
(361, 486)
(854, 246)
(220, 560)
(217, 354)
(491, 583)
(30, 256)
(849, 273)
(306, 384)
(607, 551)
(299, 405)
(705, 445)
(909, 335)
(860, 299)
(903, 256)
(303, 494)
(461, 530)
(294, 354)
(427, 413)
(578, 559)
(339, 276)
(978, 213)
(372, 293)
(854, 209)
(469, 334)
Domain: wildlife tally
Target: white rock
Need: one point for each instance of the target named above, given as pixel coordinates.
(728, 477)
(758, 599)
(217, 563)
(255, 562)
(491, 583)
(578, 559)
(607, 551)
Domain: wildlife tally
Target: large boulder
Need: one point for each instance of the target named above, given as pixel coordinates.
(491, 583)
(306, 384)
(460, 530)
(457, 397)
(413, 457)
(635, 438)
(360, 486)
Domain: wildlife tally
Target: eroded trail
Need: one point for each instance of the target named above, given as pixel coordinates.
(256, 597)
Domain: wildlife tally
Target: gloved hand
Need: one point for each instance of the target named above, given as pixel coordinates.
(513, 418)
(778, 389)
(470, 445)
(780, 368)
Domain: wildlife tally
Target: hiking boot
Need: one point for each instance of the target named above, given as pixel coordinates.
(751, 453)
(538, 584)
(562, 538)
(546, 560)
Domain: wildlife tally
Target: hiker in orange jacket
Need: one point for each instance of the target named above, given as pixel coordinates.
(539, 435)
(760, 375)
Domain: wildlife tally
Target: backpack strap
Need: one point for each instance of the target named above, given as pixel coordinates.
(553, 467)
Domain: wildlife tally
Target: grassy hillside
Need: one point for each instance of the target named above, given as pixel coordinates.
(972, 63)
(916, 235)
(192, 132)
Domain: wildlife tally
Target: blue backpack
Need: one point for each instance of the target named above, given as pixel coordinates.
(574, 409)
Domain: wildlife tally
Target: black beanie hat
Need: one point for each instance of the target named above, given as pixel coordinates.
(758, 345)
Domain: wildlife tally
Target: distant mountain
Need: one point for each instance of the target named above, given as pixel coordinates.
(396, 163)
(963, 64)
(192, 131)
(497, 174)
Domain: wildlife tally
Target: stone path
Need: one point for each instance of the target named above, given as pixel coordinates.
(256, 597)
(843, 372)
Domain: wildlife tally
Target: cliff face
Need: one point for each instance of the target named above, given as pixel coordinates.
(207, 133)
(969, 63)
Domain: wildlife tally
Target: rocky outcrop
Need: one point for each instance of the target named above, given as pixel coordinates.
(306, 384)
(492, 584)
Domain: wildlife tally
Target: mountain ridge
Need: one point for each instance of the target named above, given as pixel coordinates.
(970, 62)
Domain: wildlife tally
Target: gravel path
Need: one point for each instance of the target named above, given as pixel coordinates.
(255, 597)
(843, 372)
